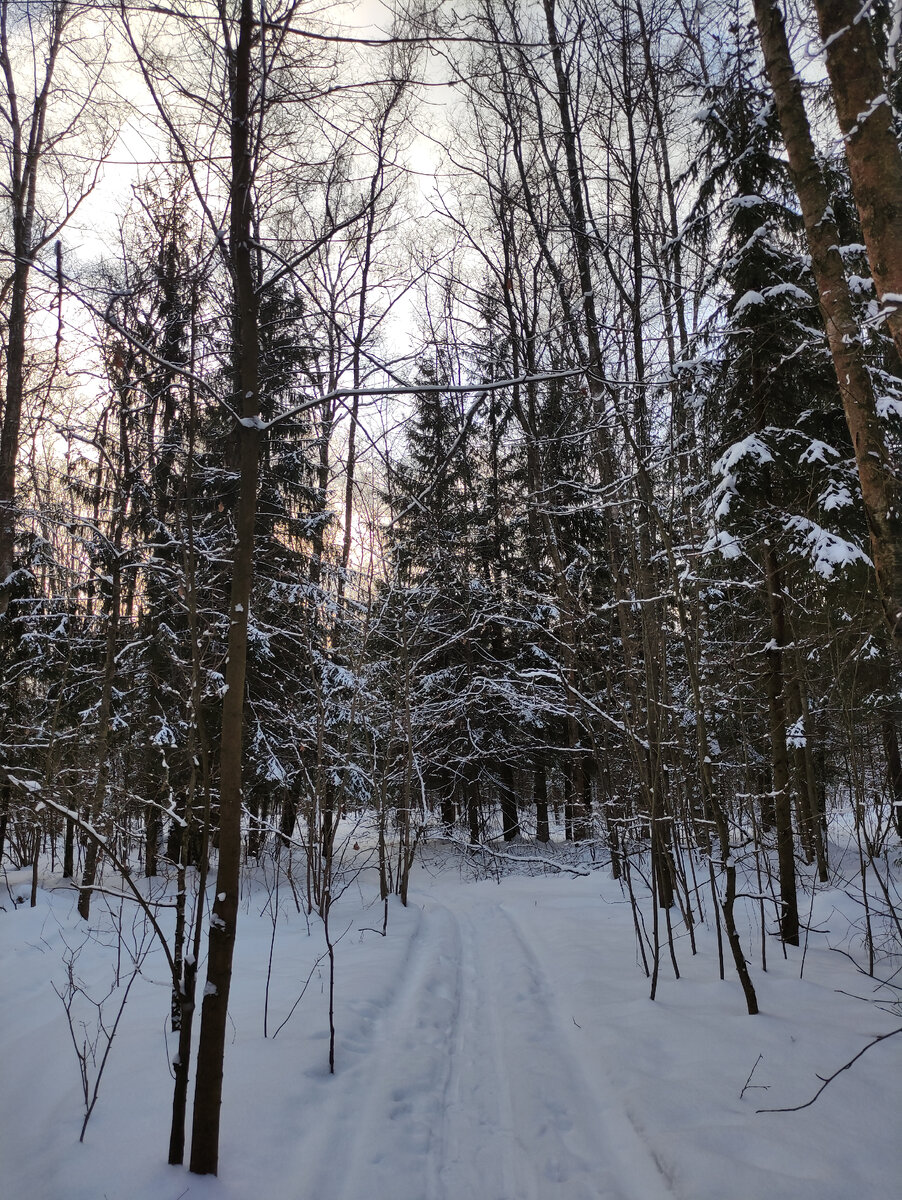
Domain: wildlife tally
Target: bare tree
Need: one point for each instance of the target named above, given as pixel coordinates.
(42, 111)
(254, 102)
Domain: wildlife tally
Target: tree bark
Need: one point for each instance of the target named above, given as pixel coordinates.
(893, 767)
(540, 794)
(510, 820)
(5, 791)
(865, 116)
(876, 169)
(223, 921)
(103, 731)
(780, 787)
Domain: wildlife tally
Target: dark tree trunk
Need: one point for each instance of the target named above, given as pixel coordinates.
(12, 415)
(68, 849)
(474, 831)
(447, 807)
(288, 818)
(223, 921)
(153, 830)
(104, 722)
(789, 915)
(540, 792)
(893, 768)
(510, 818)
(26, 145)
(568, 804)
(5, 791)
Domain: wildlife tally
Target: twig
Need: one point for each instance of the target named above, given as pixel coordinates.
(825, 1082)
(301, 997)
(748, 1083)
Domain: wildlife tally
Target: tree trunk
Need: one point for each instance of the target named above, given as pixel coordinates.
(809, 825)
(447, 807)
(9, 437)
(223, 920)
(893, 767)
(865, 116)
(540, 793)
(789, 910)
(510, 820)
(68, 849)
(5, 791)
(103, 738)
(876, 170)
(473, 811)
(153, 829)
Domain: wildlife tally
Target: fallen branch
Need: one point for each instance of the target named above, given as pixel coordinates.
(826, 1082)
(536, 860)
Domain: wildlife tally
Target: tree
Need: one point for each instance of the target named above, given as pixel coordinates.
(267, 221)
(42, 114)
(872, 153)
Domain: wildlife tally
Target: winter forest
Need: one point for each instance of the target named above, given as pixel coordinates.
(450, 599)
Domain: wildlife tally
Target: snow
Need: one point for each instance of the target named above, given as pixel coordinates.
(723, 543)
(796, 738)
(876, 103)
(497, 1044)
(29, 785)
(164, 736)
(788, 289)
(895, 32)
(818, 451)
(828, 42)
(859, 285)
(748, 300)
(827, 551)
(835, 496)
(750, 201)
(889, 406)
(749, 447)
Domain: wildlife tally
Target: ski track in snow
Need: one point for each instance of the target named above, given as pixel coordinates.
(391, 1057)
(602, 1130)
(499, 1044)
(466, 1075)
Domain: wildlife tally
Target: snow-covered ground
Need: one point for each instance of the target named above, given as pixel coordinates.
(497, 1044)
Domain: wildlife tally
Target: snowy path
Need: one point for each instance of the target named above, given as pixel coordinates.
(513, 1054)
(554, 1132)
(469, 1086)
(498, 1044)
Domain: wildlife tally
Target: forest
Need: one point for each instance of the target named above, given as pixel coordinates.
(445, 440)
